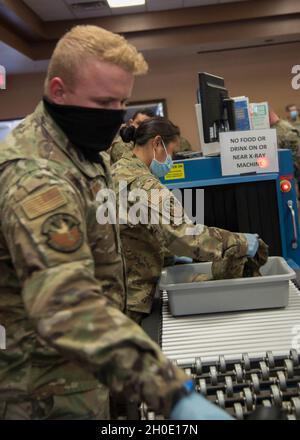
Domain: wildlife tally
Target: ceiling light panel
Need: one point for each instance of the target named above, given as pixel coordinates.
(125, 3)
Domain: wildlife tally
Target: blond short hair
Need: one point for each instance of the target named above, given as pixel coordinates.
(87, 41)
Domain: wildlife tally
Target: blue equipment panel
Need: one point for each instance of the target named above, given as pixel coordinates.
(204, 172)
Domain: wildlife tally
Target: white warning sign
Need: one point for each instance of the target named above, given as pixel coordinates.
(253, 151)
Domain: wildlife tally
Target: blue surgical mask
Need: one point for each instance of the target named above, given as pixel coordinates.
(294, 114)
(160, 169)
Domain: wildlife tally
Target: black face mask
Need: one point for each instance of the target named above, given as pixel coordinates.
(91, 130)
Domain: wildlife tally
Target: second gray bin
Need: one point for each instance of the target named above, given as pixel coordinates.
(271, 290)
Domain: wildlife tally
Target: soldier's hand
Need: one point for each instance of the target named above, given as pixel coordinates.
(182, 260)
(253, 244)
(196, 407)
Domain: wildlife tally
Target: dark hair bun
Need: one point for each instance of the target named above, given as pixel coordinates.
(127, 133)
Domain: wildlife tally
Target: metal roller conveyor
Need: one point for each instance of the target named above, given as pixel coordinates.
(230, 334)
(241, 361)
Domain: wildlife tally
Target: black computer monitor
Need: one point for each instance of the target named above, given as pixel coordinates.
(217, 107)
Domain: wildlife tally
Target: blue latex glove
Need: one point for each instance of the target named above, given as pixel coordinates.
(183, 260)
(252, 240)
(196, 407)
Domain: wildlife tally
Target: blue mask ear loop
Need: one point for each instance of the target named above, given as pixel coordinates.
(167, 154)
(154, 154)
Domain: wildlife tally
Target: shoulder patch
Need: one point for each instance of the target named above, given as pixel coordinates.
(43, 202)
(63, 232)
(148, 184)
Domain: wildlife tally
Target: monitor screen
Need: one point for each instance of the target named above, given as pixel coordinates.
(158, 108)
(217, 107)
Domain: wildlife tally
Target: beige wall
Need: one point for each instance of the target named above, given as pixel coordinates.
(260, 73)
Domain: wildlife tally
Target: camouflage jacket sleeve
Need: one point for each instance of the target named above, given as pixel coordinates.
(118, 148)
(174, 230)
(64, 300)
(288, 137)
(184, 144)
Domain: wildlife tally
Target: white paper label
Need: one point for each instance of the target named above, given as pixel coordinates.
(253, 151)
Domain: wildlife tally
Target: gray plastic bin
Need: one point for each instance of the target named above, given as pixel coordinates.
(271, 290)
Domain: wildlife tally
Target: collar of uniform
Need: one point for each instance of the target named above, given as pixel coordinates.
(118, 139)
(60, 139)
(135, 162)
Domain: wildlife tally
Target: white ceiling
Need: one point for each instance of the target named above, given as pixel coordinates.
(63, 10)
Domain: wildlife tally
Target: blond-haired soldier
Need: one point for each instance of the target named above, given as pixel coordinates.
(62, 277)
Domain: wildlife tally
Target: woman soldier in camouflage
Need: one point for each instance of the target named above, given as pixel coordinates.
(164, 227)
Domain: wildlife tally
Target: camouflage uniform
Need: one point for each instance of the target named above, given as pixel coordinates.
(232, 267)
(118, 147)
(289, 138)
(144, 244)
(184, 145)
(294, 123)
(62, 288)
(229, 266)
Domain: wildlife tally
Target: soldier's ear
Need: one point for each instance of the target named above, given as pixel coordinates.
(157, 141)
(57, 90)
